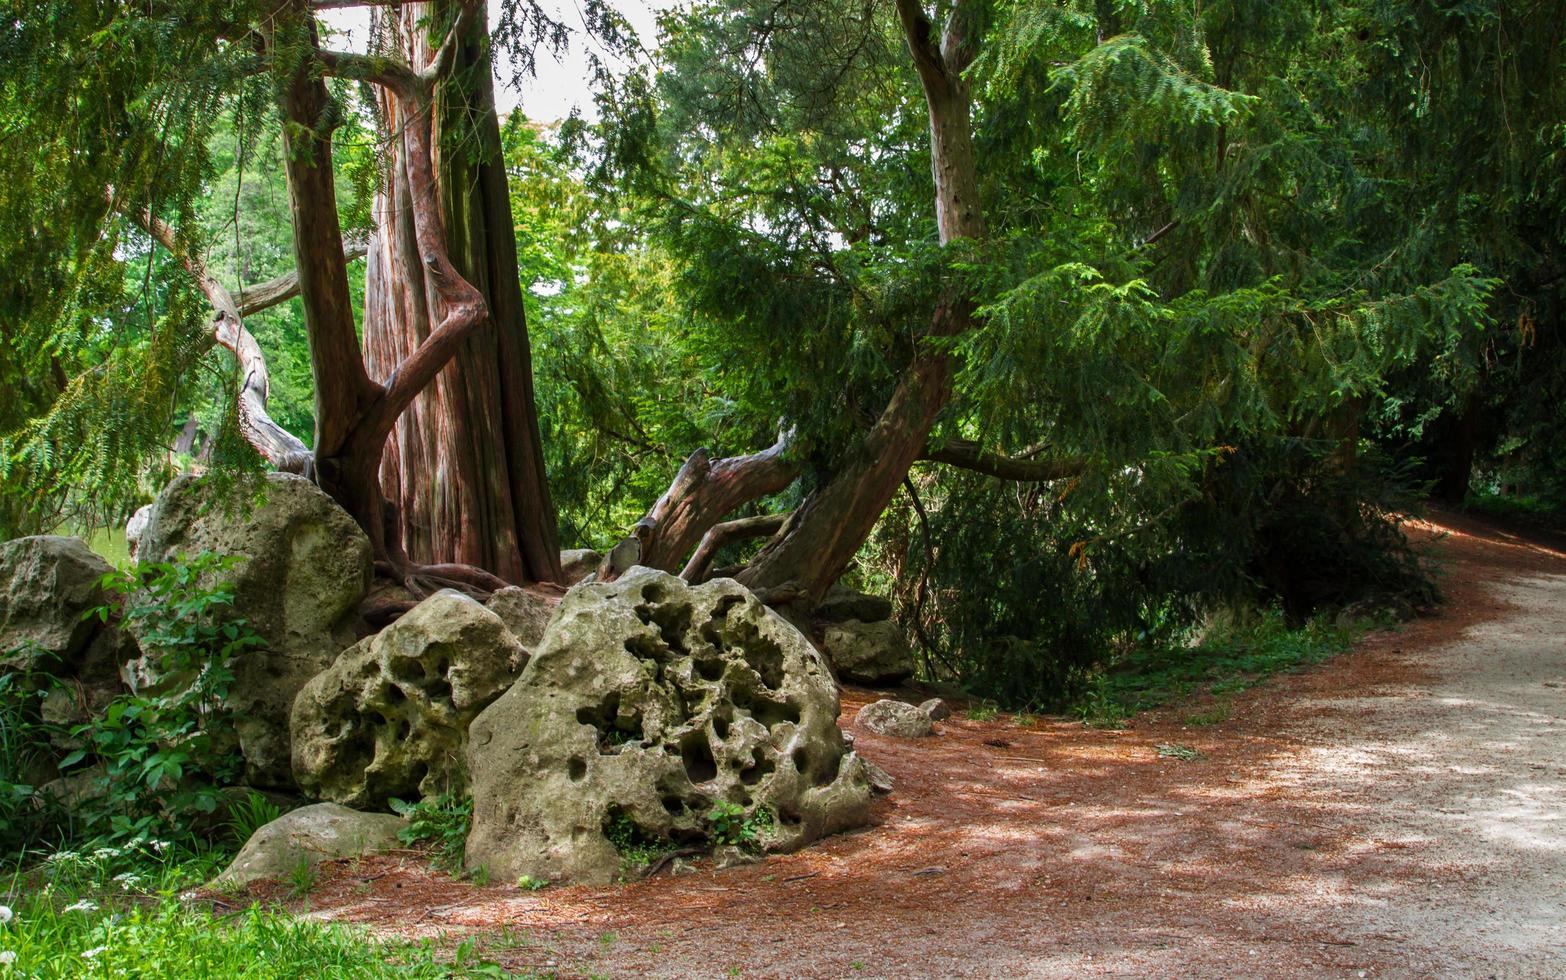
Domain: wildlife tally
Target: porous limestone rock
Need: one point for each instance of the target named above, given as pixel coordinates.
(895, 718)
(524, 613)
(304, 565)
(47, 585)
(648, 702)
(868, 653)
(937, 709)
(578, 563)
(390, 716)
(842, 604)
(309, 835)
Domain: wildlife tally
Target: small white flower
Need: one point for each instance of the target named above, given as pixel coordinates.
(88, 954)
(85, 905)
(189, 896)
(104, 853)
(160, 846)
(61, 857)
(7, 957)
(6, 915)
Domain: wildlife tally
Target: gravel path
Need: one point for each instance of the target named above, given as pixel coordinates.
(1398, 812)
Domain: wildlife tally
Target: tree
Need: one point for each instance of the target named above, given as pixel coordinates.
(151, 132)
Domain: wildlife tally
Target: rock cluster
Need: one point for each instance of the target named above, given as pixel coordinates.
(648, 703)
(389, 718)
(860, 639)
(304, 565)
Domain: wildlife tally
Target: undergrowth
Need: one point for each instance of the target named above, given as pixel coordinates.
(443, 820)
(1223, 664)
(120, 911)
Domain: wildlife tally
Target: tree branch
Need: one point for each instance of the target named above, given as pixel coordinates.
(277, 445)
(285, 287)
(969, 456)
(695, 570)
(920, 33)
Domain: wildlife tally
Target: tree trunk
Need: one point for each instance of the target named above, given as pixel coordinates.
(345, 460)
(827, 530)
(464, 466)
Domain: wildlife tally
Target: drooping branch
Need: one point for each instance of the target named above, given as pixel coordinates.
(265, 295)
(719, 535)
(276, 444)
(703, 493)
(1027, 468)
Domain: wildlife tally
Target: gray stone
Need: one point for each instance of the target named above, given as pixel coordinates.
(937, 709)
(880, 779)
(895, 718)
(648, 702)
(390, 717)
(310, 835)
(304, 566)
(136, 527)
(868, 653)
(842, 604)
(728, 856)
(47, 585)
(578, 563)
(524, 613)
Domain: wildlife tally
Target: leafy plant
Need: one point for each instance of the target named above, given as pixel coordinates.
(250, 815)
(445, 820)
(165, 752)
(984, 711)
(302, 877)
(636, 847)
(731, 825)
(532, 884)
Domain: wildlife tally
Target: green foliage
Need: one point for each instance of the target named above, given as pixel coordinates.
(637, 848)
(152, 764)
(731, 825)
(1225, 662)
(249, 816)
(443, 820)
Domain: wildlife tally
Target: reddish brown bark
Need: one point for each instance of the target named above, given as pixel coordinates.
(827, 530)
(464, 464)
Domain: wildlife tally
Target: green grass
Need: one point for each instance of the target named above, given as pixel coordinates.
(101, 914)
(1223, 665)
(1525, 508)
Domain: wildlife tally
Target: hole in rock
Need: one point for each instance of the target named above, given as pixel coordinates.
(576, 769)
(721, 610)
(764, 657)
(418, 774)
(720, 726)
(700, 766)
(758, 769)
(709, 670)
(440, 690)
(395, 694)
(772, 714)
(644, 647)
(824, 775)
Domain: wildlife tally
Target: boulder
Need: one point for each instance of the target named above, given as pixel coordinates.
(389, 718)
(868, 653)
(310, 835)
(524, 613)
(895, 718)
(578, 563)
(304, 566)
(842, 604)
(47, 585)
(937, 709)
(648, 702)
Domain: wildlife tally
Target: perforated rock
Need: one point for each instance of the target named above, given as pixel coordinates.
(309, 836)
(390, 717)
(647, 703)
(895, 718)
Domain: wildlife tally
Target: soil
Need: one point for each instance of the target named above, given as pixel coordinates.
(1399, 811)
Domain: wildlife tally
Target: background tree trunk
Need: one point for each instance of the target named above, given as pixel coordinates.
(464, 466)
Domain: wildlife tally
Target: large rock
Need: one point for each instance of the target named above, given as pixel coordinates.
(310, 835)
(47, 586)
(524, 613)
(895, 718)
(648, 702)
(868, 653)
(389, 718)
(304, 566)
(842, 604)
(578, 563)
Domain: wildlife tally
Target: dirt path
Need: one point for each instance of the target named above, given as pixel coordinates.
(1400, 812)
